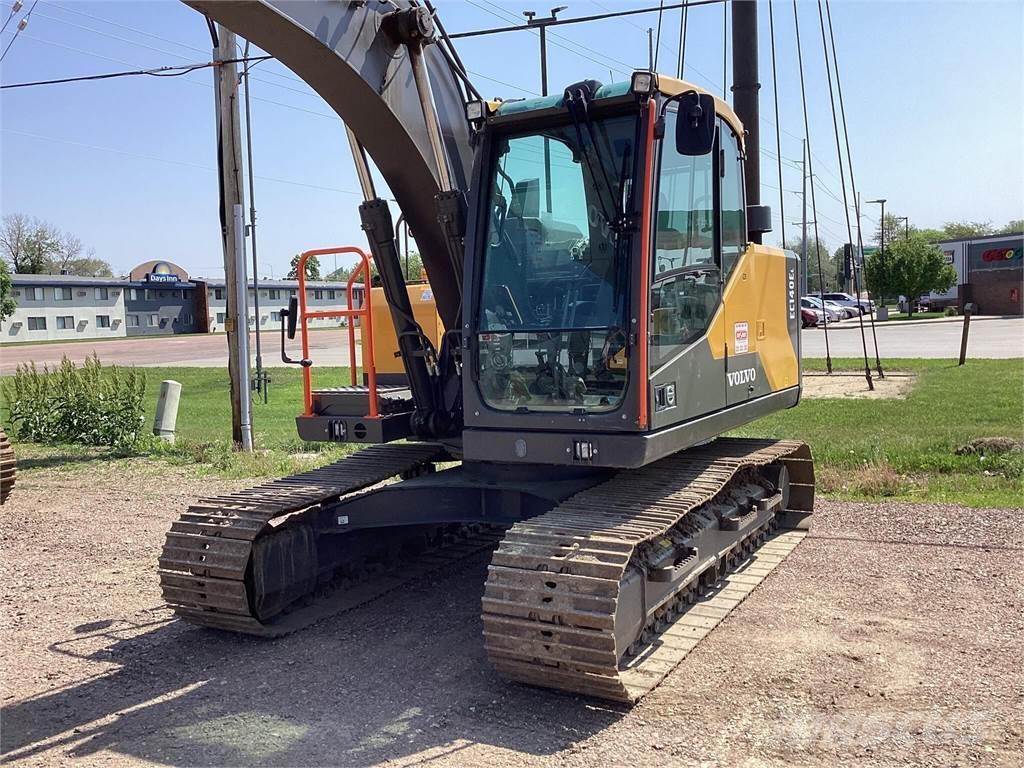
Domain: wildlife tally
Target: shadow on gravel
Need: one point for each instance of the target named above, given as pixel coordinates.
(61, 460)
(404, 675)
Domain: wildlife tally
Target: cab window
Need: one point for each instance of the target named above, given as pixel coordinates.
(685, 287)
(734, 220)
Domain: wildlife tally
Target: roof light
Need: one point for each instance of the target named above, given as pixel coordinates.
(476, 111)
(642, 83)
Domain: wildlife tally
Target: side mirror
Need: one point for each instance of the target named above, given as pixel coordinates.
(293, 316)
(695, 124)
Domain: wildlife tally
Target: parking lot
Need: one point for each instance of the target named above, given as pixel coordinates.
(989, 338)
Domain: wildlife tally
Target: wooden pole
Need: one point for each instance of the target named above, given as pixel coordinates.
(229, 161)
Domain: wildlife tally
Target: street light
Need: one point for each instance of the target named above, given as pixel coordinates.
(881, 244)
(543, 24)
(906, 223)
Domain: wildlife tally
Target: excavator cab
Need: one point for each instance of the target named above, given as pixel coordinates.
(613, 294)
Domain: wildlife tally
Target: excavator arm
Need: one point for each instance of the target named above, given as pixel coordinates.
(358, 59)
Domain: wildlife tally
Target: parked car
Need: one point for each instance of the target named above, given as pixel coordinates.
(844, 312)
(813, 302)
(809, 318)
(846, 300)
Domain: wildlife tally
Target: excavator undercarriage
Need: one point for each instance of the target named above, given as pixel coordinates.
(600, 583)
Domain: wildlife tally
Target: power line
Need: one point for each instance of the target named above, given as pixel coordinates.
(169, 161)
(168, 71)
(21, 26)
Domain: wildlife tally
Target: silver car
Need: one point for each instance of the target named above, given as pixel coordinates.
(813, 302)
(846, 300)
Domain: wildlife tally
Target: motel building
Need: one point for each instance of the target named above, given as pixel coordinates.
(157, 298)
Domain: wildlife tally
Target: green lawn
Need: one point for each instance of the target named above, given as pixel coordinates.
(906, 448)
(863, 448)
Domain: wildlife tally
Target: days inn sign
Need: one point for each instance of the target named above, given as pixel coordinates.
(159, 272)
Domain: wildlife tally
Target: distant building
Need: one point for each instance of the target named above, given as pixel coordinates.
(157, 298)
(990, 274)
(64, 307)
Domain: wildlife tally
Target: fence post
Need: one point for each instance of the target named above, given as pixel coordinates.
(968, 310)
(166, 418)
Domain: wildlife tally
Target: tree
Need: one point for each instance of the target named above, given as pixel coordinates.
(1011, 227)
(964, 230)
(913, 267)
(7, 303)
(28, 244)
(312, 268)
(35, 247)
(412, 269)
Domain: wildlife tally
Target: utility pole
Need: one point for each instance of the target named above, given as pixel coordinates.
(881, 244)
(803, 177)
(232, 220)
(906, 224)
(542, 24)
(745, 96)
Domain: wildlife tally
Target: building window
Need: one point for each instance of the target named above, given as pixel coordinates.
(318, 295)
(220, 318)
(184, 294)
(132, 321)
(62, 294)
(188, 320)
(330, 295)
(65, 322)
(275, 317)
(34, 294)
(152, 320)
(102, 321)
(37, 323)
(274, 293)
(293, 292)
(218, 294)
(133, 295)
(163, 294)
(102, 294)
(151, 294)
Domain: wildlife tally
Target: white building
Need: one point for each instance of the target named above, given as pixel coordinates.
(64, 308)
(274, 296)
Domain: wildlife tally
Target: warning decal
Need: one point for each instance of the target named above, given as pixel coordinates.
(740, 338)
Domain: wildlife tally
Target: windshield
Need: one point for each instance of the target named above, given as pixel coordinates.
(553, 300)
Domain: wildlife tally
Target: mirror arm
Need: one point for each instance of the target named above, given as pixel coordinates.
(286, 314)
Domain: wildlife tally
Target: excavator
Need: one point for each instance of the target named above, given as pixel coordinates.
(605, 312)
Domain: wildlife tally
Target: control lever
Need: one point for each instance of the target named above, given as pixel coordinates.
(291, 315)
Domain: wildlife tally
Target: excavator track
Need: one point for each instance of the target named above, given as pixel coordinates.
(8, 469)
(566, 604)
(206, 570)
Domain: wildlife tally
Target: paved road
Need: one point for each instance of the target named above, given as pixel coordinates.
(327, 347)
(995, 338)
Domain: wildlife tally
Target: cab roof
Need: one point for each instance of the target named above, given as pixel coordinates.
(667, 86)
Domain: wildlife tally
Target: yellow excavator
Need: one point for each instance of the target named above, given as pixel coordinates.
(599, 312)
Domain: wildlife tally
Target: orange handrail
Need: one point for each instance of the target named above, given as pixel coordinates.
(363, 269)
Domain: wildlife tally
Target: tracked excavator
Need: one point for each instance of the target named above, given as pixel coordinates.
(605, 312)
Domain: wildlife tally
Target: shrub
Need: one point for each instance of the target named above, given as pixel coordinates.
(87, 405)
(951, 312)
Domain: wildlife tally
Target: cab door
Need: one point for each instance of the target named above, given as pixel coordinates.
(686, 344)
(742, 326)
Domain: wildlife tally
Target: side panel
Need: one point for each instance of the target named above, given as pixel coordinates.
(758, 324)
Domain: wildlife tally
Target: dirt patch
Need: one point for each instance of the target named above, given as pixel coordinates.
(892, 635)
(896, 385)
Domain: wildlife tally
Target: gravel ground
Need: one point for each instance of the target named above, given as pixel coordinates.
(892, 635)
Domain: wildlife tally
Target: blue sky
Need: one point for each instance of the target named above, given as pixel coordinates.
(934, 95)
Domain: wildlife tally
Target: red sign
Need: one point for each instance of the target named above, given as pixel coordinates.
(1000, 254)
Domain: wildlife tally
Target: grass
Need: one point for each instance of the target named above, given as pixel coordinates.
(863, 449)
(905, 449)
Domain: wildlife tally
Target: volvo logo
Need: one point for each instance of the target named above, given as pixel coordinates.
(746, 376)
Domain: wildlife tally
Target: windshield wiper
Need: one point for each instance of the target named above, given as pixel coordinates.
(577, 100)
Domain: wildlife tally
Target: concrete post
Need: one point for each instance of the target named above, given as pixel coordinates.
(166, 418)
